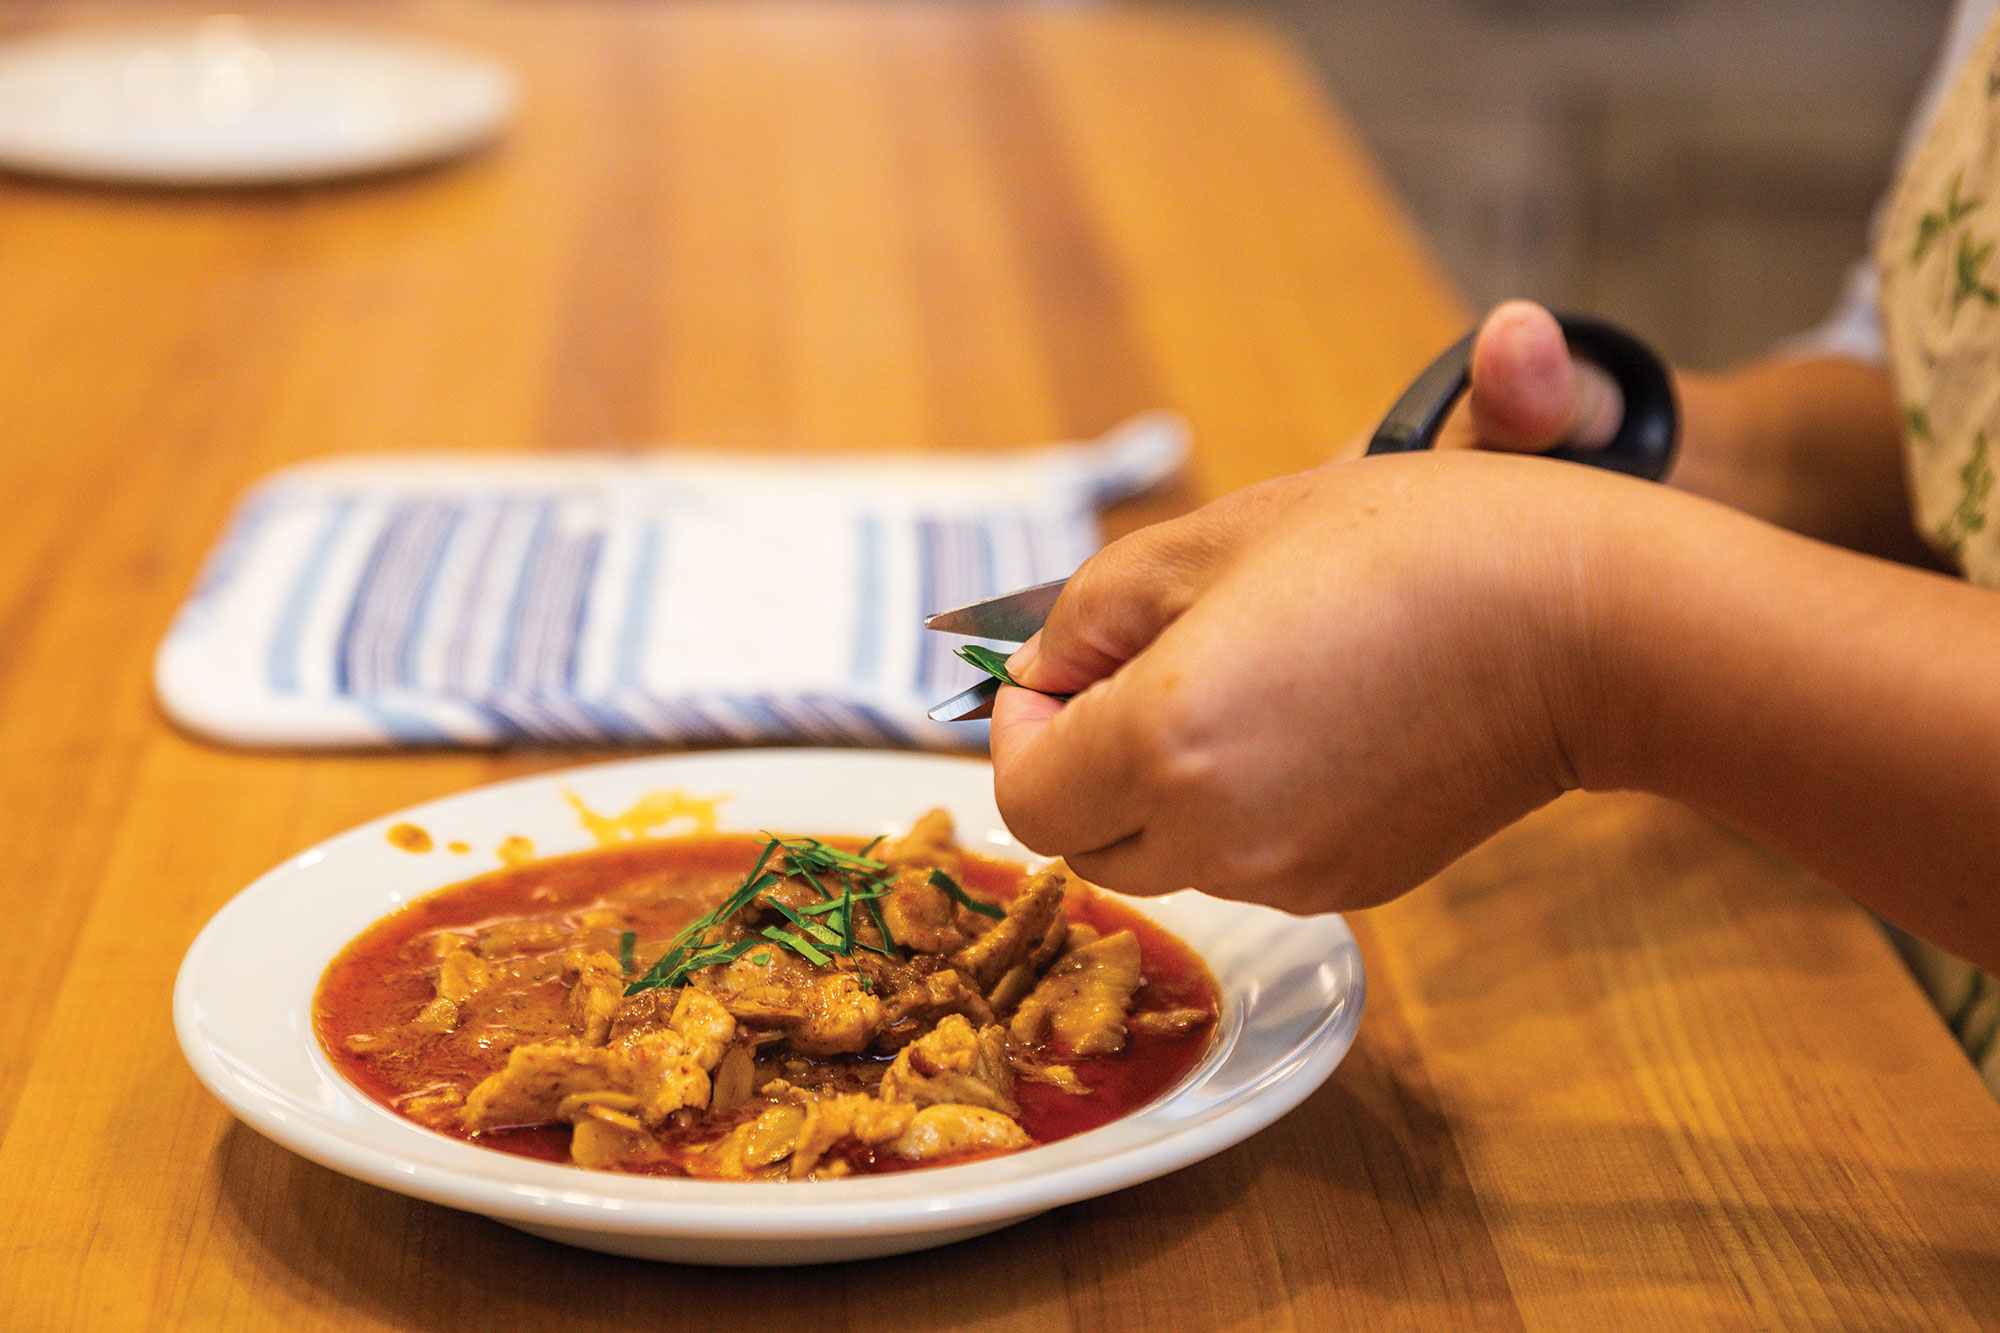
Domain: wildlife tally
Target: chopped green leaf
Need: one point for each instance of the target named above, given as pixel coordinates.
(712, 956)
(888, 945)
(797, 945)
(835, 904)
(626, 940)
(805, 872)
(851, 859)
(717, 954)
(812, 928)
(699, 959)
(964, 899)
(860, 880)
(825, 856)
(993, 664)
(691, 935)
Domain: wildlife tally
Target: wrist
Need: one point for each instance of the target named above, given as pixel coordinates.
(1632, 632)
(1699, 611)
(1719, 457)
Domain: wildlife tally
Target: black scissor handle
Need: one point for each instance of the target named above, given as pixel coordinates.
(1644, 444)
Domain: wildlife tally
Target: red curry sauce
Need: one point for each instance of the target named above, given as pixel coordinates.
(380, 980)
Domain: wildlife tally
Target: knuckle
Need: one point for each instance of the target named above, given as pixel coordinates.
(1119, 597)
(1172, 740)
(1082, 600)
(1269, 858)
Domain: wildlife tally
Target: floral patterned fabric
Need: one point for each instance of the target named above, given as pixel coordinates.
(1940, 305)
(1937, 257)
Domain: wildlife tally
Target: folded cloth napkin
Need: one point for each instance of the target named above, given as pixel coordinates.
(667, 597)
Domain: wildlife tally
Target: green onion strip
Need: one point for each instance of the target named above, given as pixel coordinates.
(840, 904)
(995, 665)
(672, 965)
(964, 899)
(810, 859)
(797, 945)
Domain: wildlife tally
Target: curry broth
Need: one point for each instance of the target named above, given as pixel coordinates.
(653, 889)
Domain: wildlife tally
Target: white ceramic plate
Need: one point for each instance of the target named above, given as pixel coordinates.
(1291, 1000)
(222, 102)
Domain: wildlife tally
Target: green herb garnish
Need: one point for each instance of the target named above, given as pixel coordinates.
(673, 964)
(717, 954)
(994, 664)
(797, 946)
(888, 945)
(810, 854)
(836, 904)
(822, 856)
(625, 942)
(817, 942)
(964, 899)
(804, 871)
(692, 935)
(813, 929)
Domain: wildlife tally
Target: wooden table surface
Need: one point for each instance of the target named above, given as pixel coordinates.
(1619, 1069)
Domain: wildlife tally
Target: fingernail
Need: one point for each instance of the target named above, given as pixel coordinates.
(1024, 657)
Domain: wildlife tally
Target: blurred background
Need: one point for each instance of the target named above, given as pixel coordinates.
(1700, 169)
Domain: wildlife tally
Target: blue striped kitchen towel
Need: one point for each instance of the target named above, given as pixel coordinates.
(666, 597)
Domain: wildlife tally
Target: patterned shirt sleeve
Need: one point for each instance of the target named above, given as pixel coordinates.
(1853, 328)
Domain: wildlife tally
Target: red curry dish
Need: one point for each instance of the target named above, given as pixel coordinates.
(741, 1008)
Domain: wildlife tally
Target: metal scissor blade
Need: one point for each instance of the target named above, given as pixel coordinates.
(968, 705)
(1012, 617)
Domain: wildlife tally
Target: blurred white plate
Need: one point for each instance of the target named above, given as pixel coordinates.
(1291, 1000)
(224, 102)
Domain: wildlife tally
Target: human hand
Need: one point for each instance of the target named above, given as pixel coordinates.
(1529, 392)
(1316, 692)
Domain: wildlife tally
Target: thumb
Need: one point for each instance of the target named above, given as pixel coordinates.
(1122, 597)
(1529, 393)
(1115, 604)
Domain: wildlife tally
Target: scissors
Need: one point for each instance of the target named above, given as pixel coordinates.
(1643, 447)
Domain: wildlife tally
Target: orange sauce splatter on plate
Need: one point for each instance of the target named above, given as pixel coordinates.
(409, 838)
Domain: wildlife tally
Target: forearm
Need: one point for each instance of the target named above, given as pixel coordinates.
(1812, 445)
(1840, 709)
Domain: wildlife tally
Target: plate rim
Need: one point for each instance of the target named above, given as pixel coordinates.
(496, 85)
(555, 1195)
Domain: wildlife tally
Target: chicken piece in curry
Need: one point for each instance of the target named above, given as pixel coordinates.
(767, 1008)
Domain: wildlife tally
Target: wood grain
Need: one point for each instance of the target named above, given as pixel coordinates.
(1619, 1068)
